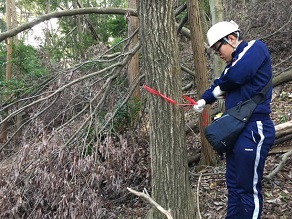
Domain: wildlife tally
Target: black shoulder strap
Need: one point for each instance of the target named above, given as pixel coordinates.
(261, 96)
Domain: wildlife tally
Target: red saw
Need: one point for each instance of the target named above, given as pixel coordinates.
(190, 100)
(155, 92)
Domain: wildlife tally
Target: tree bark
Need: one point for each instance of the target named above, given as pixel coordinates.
(169, 167)
(282, 78)
(133, 69)
(283, 129)
(4, 126)
(9, 41)
(217, 14)
(201, 82)
(16, 71)
(77, 33)
(216, 9)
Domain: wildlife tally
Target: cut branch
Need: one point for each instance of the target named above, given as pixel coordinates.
(282, 78)
(283, 129)
(146, 196)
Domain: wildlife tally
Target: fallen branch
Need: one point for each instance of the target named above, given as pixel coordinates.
(283, 129)
(282, 139)
(145, 195)
(280, 165)
(198, 196)
(280, 149)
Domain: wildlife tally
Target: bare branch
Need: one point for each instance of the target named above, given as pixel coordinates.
(288, 22)
(68, 85)
(105, 87)
(125, 100)
(280, 165)
(198, 195)
(154, 203)
(34, 117)
(58, 14)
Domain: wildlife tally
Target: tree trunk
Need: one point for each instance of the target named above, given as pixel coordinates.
(217, 14)
(47, 36)
(133, 69)
(4, 126)
(77, 33)
(9, 41)
(18, 121)
(204, 20)
(201, 82)
(216, 9)
(169, 168)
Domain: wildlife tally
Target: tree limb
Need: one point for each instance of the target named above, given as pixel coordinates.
(68, 85)
(280, 165)
(58, 14)
(282, 78)
(288, 22)
(283, 129)
(198, 199)
(146, 196)
(105, 87)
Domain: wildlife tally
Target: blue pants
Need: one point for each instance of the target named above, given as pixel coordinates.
(244, 170)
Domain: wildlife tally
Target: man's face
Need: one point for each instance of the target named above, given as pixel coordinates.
(225, 50)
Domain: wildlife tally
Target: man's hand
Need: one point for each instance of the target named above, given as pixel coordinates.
(218, 93)
(200, 106)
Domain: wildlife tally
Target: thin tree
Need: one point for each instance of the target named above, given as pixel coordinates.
(217, 14)
(133, 68)
(169, 168)
(4, 127)
(208, 156)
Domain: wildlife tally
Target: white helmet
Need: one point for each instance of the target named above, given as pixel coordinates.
(220, 30)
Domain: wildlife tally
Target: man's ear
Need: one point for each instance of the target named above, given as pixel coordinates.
(231, 39)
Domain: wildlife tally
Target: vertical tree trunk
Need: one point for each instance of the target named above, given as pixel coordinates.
(208, 156)
(203, 17)
(17, 75)
(77, 35)
(47, 35)
(9, 41)
(133, 69)
(217, 14)
(169, 168)
(4, 126)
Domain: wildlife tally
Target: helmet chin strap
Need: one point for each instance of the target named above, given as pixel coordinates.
(236, 42)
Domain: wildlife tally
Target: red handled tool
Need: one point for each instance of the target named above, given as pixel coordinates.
(190, 100)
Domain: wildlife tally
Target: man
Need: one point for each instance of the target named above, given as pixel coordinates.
(247, 72)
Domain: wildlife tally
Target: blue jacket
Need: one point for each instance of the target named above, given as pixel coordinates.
(243, 78)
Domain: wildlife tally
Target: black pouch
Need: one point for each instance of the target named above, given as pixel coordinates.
(224, 131)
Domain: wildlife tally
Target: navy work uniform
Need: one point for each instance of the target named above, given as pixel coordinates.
(243, 78)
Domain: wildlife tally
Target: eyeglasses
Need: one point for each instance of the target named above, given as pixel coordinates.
(217, 52)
